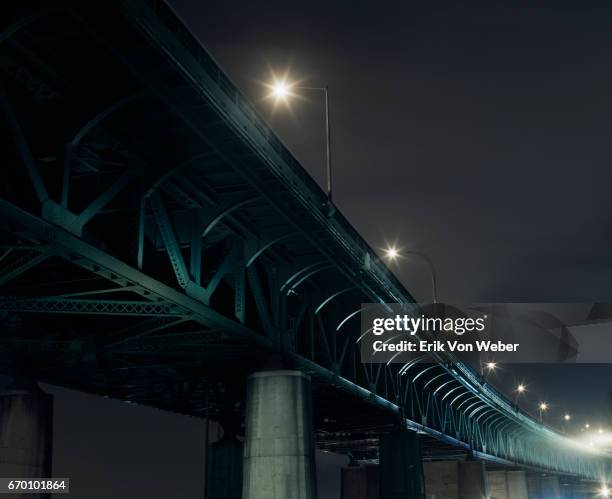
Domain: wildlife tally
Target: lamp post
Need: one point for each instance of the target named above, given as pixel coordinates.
(282, 91)
(486, 368)
(393, 253)
(520, 389)
(566, 419)
(543, 407)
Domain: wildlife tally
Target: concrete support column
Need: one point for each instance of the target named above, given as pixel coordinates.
(543, 486)
(549, 487)
(224, 468)
(498, 484)
(517, 484)
(473, 480)
(401, 469)
(279, 442)
(26, 431)
(507, 484)
(360, 482)
(441, 479)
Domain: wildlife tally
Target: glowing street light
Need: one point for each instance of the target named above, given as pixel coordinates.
(520, 389)
(543, 408)
(392, 253)
(281, 90)
(486, 368)
(587, 426)
(566, 419)
(604, 491)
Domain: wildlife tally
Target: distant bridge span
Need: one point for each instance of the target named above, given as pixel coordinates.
(159, 243)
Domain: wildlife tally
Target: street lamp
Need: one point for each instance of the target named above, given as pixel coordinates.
(281, 90)
(604, 491)
(432, 269)
(489, 366)
(543, 408)
(520, 389)
(566, 419)
(392, 253)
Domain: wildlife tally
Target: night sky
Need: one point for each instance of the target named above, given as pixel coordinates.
(477, 133)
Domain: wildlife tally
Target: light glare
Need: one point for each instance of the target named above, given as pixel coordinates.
(392, 253)
(280, 90)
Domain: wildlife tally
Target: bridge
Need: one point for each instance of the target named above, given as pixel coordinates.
(161, 246)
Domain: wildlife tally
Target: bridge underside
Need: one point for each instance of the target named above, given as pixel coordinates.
(158, 243)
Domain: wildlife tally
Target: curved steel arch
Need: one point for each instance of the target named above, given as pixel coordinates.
(353, 314)
(173, 171)
(226, 211)
(470, 397)
(331, 297)
(496, 413)
(443, 385)
(467, 392)
(475, 411)
(303, 270)
(105, 113)
(269, 244)
(307, 276)
(453, 390)
(435, 378)
(479, 402)
(423, 372)
(502, 420)
(408, 365)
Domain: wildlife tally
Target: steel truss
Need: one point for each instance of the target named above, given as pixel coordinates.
(230, 237)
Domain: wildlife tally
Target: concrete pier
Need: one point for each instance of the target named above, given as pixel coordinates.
(543, 486)
(455, 480)
(224, 468)
(507, 484)
(441, 479)
(360, 482)
(401, 467)
(498, 485)
(26, 431)
(279, 442)
(473, 480)
(517, 484)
